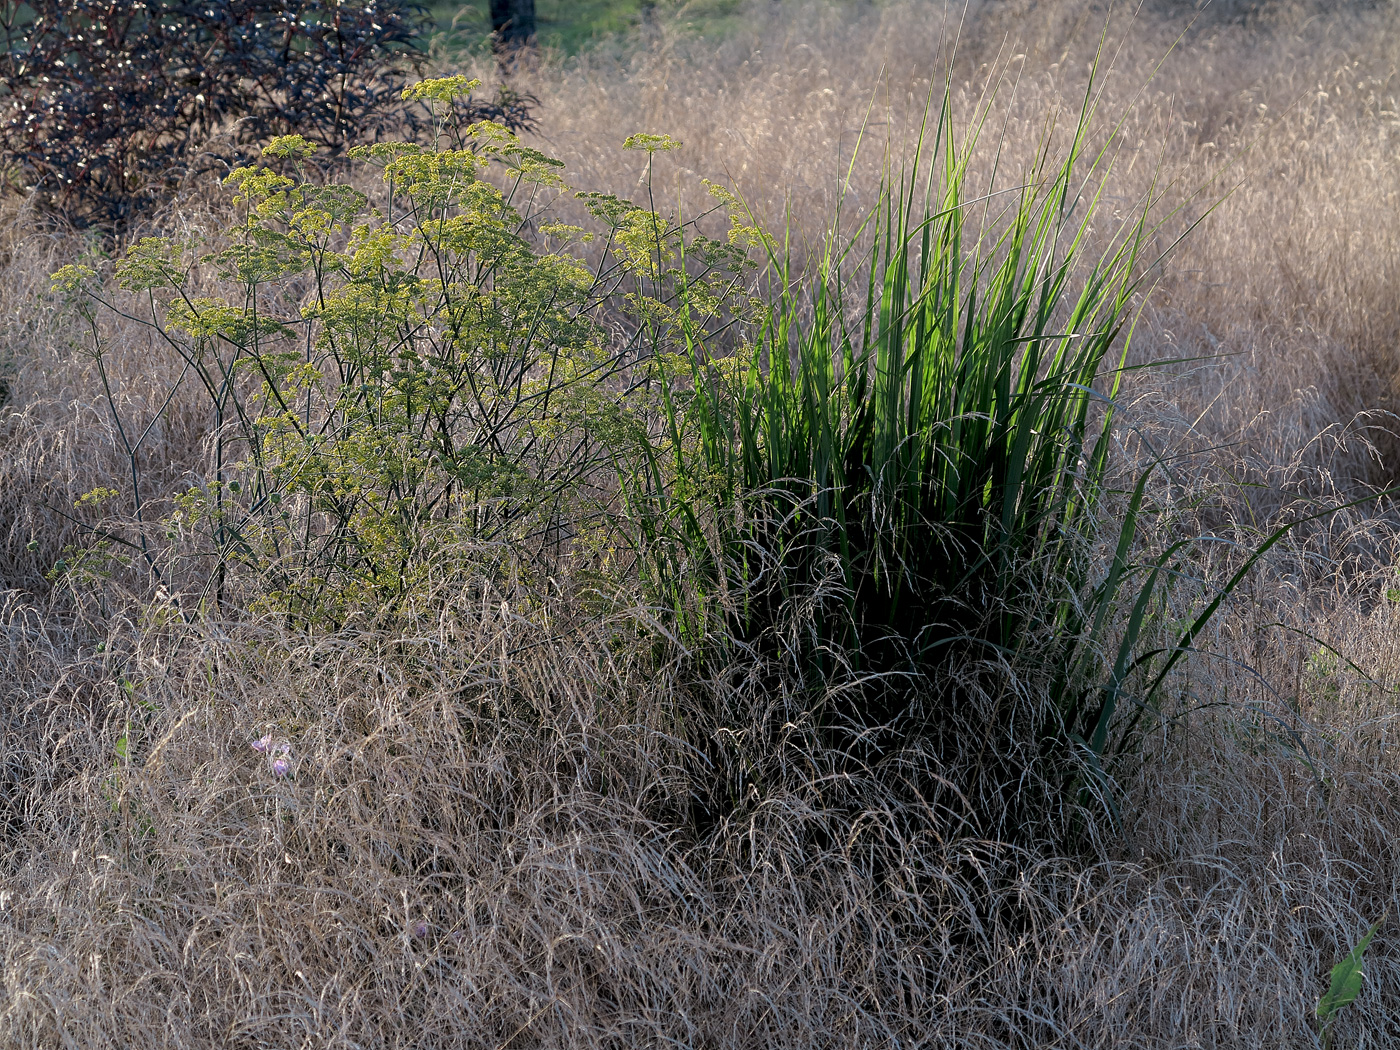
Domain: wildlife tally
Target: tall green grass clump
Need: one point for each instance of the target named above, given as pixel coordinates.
(903, 478)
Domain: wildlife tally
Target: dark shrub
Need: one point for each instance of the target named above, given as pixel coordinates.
(512, 109)
(102, 100)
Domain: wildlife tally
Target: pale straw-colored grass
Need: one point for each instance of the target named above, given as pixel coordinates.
(485, 834)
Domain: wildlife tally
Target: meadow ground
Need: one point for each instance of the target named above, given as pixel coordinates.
(487, 833)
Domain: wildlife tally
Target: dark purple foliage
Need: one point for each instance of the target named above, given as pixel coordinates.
(510, 108)
(103, 103)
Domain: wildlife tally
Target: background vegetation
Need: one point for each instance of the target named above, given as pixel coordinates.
(569, 27)
(444, 608)
(106, 108)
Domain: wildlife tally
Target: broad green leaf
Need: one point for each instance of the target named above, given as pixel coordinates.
(1347, 976)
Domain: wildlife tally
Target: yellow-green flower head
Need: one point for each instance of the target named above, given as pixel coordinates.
(652, 143)
(443, 89)
(71, 277)
(292, 147)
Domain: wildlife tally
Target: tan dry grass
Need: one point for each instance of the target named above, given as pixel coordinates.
(58, 437)
(522, 809)
(520, 792)
(1296, 113)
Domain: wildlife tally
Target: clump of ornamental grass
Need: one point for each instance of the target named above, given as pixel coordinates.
(895, 493)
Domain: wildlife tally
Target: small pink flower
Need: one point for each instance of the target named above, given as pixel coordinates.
(281, 766)
(420, 929)
(263, 744)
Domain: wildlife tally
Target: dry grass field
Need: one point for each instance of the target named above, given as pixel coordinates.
(483, 835)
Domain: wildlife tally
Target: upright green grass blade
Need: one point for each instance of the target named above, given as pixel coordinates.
(1346, 980)
(935, 431)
